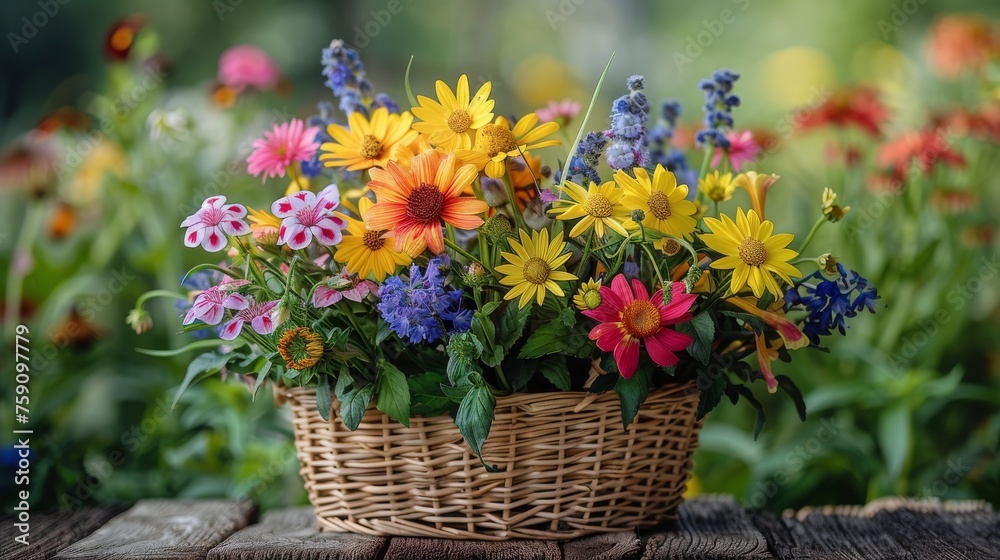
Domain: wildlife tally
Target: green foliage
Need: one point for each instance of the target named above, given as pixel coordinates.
(632, 392)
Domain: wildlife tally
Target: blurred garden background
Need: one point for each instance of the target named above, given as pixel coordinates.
(114, 126)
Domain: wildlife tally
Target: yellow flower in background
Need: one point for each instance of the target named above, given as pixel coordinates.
(298, 183)
(833, 211)
(598, 207)
(751, 252)
(532, 267)
(497, 141)
(263, 226)
(106, 159)
(756, 186)
(588, 297)
(452, 121)
(717, 187)
(662, 201)
(367, 143)
(370, 253)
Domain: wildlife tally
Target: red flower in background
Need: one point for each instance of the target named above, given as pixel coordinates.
(983, 123)
(962, 42)
(926, 147)
(121, 36)
(858, 107)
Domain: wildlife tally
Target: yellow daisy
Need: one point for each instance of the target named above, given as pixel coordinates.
(599, 207)
(451, 122)
(717, 187)
(588, 297)
(663, 202)
(370, 253)
(367, 143)
(531, 268)
(496, 142)
(751, 251)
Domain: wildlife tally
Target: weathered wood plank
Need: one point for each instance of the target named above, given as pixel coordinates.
(292, 534)
(51, 532)
(839, 533)
(414, 548)
(164, 529)
(710, 527)
(604, 546)
(927, 530)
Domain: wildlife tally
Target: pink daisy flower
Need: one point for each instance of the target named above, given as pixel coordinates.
(210, 305)
(247, 65)
(284, 145)
(564, 110)
(332, 290)
(742, 150)
(305, 215)
(628, 316)
(212, 222)
(258, 314)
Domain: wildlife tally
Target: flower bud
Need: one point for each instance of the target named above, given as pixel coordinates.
(139, 320)
(497, 227)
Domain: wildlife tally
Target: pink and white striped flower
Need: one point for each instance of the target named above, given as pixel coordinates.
(210, 305)
(305, 215)
(259, 315)
(332, 290)
(215, 219)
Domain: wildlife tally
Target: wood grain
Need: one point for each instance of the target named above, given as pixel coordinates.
(711, 527)
(293, 534)
(605, 546)
(164, 529)
(415, 548)
(52, 532)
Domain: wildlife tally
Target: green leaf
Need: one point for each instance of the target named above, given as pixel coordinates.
(735, 392)
(786, 384)
(512, 325)
(354, 404)
(755, 322)
(384, 331)
(712, 389)
(519, 372)
(211, 343)
(557, 336)
(324, 400)
(393, 393)
(490, 307)
(474, 419)
(261, 376)
(556, 371)
(586, 117)
(766, 300)
(632, 392)
(427, 397)
(702, 329)
(406, 84)
(456, 394)
(344, 382)
(204, 365)
(894, 434)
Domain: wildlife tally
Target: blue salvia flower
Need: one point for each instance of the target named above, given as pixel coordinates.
(583, 165)
(419, 309)
(719, 104)
(345, 76)
(830, 302)
(629, 115)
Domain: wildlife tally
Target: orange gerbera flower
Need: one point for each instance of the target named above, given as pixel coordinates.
(413, 203)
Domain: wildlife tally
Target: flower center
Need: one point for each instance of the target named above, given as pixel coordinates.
(300, 347)
(536, 270)
(753, 252)
(641, 319)
(371, 147)
(494, 139)
(671, 247)
(598, 206)
(373, 239)
(459, 121)
(659, 205)
(425, 204)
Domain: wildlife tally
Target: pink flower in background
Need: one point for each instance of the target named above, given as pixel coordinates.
(247, 65)
(284, 145)
(742, 150)
(305, 215)
(210, 224)
(210, 305)
(259, 315)
(332, 290)
(564, 110)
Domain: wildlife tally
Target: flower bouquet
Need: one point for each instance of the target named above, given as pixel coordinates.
(427, 279)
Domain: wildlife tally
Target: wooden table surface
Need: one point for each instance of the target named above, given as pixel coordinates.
(709, 527)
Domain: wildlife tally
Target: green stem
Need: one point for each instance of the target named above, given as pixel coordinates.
(706, 160)
(656, 266)
(22, 247)
(155, 294)
(454, 247)
(512, 200)
(812, 233)
(503, 379)
(583, 259)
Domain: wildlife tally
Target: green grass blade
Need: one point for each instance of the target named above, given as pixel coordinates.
(583, 124)
(406, 84)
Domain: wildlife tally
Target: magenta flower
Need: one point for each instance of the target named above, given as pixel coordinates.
(304, 215)
(210, 224)
(259, 315)
(563, 110)
(210, 305)
(281, 147)
(332, 290)
(247, 65)
(742, 150)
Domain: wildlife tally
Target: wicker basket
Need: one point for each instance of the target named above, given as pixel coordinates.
(567, 467)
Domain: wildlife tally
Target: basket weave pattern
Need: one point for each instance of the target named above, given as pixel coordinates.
(567, 468)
